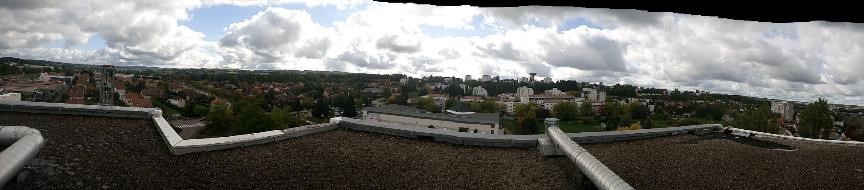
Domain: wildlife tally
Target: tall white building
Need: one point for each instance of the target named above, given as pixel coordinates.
(509, 106)
(524, 91)
(467, 78)
(593, 95)
(784, 108)
(554, 91)
(547, 80)
(479, 91)
(486, 78)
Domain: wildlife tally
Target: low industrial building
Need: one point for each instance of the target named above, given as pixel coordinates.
(484, 123)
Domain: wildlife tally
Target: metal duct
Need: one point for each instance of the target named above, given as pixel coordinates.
(602, 177)
(23, 144)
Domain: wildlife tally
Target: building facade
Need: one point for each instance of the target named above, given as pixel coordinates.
(482, 123)
(479, 91)
(524, 91)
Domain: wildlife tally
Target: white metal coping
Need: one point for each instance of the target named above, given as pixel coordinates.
(24, 143)
(595, 170)
(737, 131)
(175, 144)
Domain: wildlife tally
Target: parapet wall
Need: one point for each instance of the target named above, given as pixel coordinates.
(176, 144)
(453, 137)
(76, 109)
(747, 133)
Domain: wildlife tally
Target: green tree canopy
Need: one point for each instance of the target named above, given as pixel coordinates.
(486, 106)
(816, 121)
(426, 103)
(586, 110)
(565, 111)
(220, 118)
(758, 119)
(349, 109)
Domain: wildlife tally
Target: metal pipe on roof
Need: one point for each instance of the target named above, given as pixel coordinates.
(24, 143)
(595, 170)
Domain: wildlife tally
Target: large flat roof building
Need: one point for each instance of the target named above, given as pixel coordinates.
(84, 152)
(487, 123)
(101, 148)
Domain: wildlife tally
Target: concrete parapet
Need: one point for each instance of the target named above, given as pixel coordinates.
(452, 137)
(748, 133)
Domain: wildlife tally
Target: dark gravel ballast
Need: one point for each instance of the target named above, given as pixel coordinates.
(98, 152)
(722, 161)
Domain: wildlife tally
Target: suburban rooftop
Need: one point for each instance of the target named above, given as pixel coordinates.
(394, 109)
(95, 152)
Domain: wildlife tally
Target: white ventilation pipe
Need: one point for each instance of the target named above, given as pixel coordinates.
(23, 144)
(602, 176)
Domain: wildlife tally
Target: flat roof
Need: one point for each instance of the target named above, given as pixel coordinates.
(82, 152)
(395, 109)
(723, 161)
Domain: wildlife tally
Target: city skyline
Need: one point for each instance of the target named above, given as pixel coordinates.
(791, 61)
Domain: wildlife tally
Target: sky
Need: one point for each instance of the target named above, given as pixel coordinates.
(790, 61)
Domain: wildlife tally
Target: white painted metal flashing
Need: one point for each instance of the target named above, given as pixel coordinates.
(23, 144)
(437, 134)
(744, 132)
(600, 175)
(175, 143)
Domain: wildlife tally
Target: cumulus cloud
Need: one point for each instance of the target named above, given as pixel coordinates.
(396, 44)
(274, 35)
(798, 61)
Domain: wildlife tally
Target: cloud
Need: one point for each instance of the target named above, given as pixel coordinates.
(396, 44)
(798, 61)
(274, 35)
(586, 53)
(367, 60)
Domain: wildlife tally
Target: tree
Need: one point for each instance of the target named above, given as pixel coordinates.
(454, 90)
(639, 112)
(528, 125)
(321, 109)
(611, 109)
(282, 118)
(450, 103)
(486, 106)
(349, 109)
(542, 114)
(307, 102)
(220, 118)
(526, 110)
(758, 119)
(586, 110)
(426, 103)
(816, 121)
(251, 118)
(565, 111)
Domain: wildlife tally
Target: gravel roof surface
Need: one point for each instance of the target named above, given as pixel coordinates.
(720, 161)
(99, 152)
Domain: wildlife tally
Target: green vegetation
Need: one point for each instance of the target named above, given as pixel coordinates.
(247, 116)
(566, 111)
(348, 108)
(321, 109)
(759, 119)
(427, 104)
(816, 121)
(486, 106)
